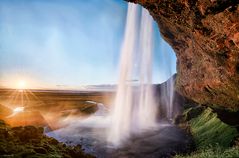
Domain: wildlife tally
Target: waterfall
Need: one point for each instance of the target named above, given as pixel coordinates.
(131, 120)
(147, 107)
(169, 98)
(167, 88)
(134, 109)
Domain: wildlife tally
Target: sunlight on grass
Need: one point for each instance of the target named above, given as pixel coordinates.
(18, 109)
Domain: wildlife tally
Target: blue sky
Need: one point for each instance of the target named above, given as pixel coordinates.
(68, 42)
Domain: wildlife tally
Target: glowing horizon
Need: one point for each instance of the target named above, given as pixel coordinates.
(51, 50)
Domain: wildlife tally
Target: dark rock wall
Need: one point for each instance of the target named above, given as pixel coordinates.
(205, 36)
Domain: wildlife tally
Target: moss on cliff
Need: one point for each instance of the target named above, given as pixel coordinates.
(215, 152)
(213, 138)
(208, 130)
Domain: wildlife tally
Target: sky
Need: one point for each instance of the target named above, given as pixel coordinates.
(68, 43)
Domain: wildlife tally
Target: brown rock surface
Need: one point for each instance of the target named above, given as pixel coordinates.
(205, 36)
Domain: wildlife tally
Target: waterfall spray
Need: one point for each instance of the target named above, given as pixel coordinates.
(167, 89)
(121, 110)
(146, 110)
(134, 109)
(169, 92)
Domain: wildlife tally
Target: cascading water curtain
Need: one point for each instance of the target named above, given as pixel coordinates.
(134, 109)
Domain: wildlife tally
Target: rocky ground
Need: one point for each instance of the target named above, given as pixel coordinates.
(30, 141)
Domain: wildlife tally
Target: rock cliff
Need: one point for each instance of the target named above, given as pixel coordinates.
(205, 37)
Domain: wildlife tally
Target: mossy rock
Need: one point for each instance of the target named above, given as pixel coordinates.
(213, 138)
(208, 130)
(30, 142)
(213, 152)
(189, 114)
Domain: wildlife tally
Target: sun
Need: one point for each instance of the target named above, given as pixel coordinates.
(21, 85)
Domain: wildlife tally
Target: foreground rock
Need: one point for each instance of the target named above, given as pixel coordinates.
(29, 141)
(205, 36)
